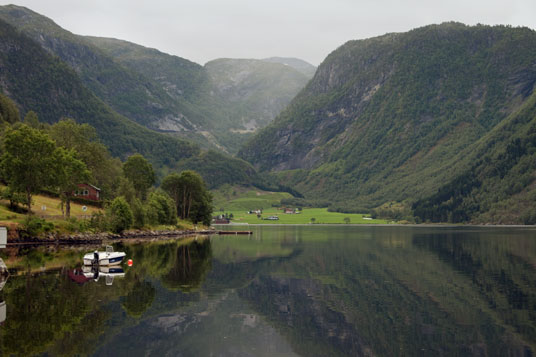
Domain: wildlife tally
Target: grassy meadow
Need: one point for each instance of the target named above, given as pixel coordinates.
(238, 201)
(237, 198)
(307, 216)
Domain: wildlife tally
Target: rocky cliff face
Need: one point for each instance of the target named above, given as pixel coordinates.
(254, 91)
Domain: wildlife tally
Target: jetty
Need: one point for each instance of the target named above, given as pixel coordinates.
(234, 232)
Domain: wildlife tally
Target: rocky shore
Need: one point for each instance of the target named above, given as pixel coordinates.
(97, 238)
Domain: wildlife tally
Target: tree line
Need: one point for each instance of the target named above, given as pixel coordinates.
(37, 157)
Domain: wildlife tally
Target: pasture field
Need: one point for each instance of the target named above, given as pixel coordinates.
(306, 216)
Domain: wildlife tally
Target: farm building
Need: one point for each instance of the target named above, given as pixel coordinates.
(89, 192)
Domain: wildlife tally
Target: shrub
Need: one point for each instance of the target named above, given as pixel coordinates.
(139, 213)
(119, 215)
(161, 208)
(33, 226)
(76, 225)
(97, 222)
(16, 199)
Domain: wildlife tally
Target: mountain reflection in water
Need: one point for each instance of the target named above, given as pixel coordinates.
(311, 291)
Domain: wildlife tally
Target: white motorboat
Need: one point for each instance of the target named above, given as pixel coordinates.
(109, 257)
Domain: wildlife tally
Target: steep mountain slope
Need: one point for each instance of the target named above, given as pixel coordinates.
(229, 99)
(255, 91)
(38, 81)
(500, 183)
(159, 91)
(395, 117)
(127, 92)
(186, 82)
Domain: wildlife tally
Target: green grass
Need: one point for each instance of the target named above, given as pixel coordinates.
(52, 205)
(320, 215)
(236, 198)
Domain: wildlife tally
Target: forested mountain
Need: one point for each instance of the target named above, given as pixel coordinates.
(499, 183)
(127, 92)
(397, 117)
(159, 91)
(39, 81)
(186, 83)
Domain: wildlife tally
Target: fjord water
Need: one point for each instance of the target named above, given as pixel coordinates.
(287, 290)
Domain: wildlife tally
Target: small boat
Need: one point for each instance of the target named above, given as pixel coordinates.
(109, 257)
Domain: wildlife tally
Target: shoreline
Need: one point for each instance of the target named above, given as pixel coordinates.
(423, 225)
(99, 238)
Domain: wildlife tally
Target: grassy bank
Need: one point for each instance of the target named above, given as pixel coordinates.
(307, 216)
(238, 198)
(52, 208)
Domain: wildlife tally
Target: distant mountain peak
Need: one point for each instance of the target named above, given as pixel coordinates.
(296, 63)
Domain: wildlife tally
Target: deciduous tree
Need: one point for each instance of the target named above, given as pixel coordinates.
(161, 208)
(8, 110)
(29, 161)
(140, 172)
(172, 185)
(105, 170)
(119, 215)
(193, 200)
(69, 174)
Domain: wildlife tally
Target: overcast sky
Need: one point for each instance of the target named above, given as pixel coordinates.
(202, 30)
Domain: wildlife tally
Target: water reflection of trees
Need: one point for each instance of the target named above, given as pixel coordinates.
(139, 298)
(190, 265)
(501, 269)
(387, 296)
(50, 313)
(41, 310)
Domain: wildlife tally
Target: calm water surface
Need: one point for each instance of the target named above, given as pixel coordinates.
(285, 291)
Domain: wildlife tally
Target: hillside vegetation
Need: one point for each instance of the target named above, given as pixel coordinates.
(127, 92)
(394, 118)
(38, 81)
(499, 186)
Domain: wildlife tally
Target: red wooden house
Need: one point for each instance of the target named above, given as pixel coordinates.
(89, 192)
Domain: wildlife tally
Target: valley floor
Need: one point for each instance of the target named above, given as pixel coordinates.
(306, 216)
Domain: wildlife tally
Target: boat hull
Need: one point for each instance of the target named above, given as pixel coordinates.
(104, 258)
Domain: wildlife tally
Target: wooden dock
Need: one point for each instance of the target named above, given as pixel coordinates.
(234, 232)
